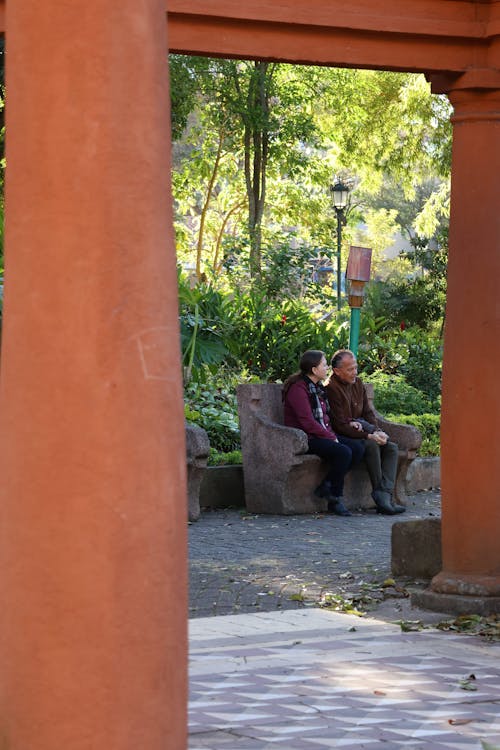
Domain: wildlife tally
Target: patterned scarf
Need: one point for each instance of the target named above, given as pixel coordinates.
(317, 394)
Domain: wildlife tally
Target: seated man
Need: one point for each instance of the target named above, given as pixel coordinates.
(353, 417)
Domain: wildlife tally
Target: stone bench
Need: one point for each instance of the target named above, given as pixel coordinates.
(280, 475)
(197, 449)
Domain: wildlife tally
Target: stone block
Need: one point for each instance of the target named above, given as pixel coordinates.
(197, 449)
(222, 487)
(424, 473)
(416, 548)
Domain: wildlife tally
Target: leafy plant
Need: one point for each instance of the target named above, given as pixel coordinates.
(202, 335)
(232, 458)
(393, 395)
(214, 408)
(429, 425)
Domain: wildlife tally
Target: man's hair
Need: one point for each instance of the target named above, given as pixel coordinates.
(339, 355)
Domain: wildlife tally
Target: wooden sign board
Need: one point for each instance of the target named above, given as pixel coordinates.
(359, 263)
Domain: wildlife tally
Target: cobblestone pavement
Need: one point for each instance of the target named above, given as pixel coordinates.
(242, 563)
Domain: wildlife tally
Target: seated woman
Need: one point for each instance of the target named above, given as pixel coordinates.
(306, 407)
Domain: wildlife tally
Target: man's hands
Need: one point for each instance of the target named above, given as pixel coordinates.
(379, 437)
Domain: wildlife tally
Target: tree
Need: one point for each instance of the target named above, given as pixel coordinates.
(273, 136)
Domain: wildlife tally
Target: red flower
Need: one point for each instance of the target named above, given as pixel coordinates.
(283, 320)
(402, 325)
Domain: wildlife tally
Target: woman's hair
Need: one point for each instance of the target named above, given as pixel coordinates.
(309, 359)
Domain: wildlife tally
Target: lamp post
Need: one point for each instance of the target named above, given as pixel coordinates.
(339, 193)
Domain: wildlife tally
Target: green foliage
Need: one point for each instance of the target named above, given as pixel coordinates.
(212, 406)
(283, 132)
(184, 89)
(428, 424)
(232, 458)
(393, 395)
(414, 301)
(269, 336)
(423, 366)
(202, 343)
(413, 352)
(248, 329)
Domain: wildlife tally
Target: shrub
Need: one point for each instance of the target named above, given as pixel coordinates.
(412, 352)
(214, 407)
(268, 337)
(423, 365)
(233, 458)
(393, 395)
(428, 424)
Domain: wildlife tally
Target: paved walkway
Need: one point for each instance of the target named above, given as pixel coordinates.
(244, 563)
(311, 679)
(277, 671)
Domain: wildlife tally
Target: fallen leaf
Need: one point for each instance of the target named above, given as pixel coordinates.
(409, 626)
(388, 582)
(467, 684)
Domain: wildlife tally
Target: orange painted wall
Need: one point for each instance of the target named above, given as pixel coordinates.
(424, 35)
(471, 402)
(92, 458)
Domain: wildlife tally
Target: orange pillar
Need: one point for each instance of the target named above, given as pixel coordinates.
(92, 463)
(470, 579)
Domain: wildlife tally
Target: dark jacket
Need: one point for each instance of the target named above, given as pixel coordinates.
(348, 403)
(298, 412)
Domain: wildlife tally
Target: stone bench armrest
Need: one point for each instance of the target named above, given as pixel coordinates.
(287, 441)
(197, 443)
(406, 436)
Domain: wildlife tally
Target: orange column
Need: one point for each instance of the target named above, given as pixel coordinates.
(470, 580)
(92, 463)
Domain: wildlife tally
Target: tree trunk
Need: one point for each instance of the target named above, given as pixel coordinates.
(204, 210)
(256, 142)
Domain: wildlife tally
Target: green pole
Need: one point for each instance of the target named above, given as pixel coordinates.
(354, 331)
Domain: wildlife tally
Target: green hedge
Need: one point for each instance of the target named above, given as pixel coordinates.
(233, 458)
(393, 395)
(428, 424)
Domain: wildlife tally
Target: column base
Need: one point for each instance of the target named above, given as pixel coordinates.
(456, 604)
(461, 594)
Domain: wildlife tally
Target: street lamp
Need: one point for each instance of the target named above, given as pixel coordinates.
(339, 193)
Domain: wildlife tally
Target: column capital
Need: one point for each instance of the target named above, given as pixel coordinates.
(475, 94)
(480, 79)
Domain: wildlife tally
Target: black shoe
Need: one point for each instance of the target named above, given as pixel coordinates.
(383, 501)
(388, 508)
(335, 505)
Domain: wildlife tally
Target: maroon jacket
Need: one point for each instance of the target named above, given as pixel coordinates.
(298, 412)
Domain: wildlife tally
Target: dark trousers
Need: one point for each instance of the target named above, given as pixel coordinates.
(339, 456)
(382, 464)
